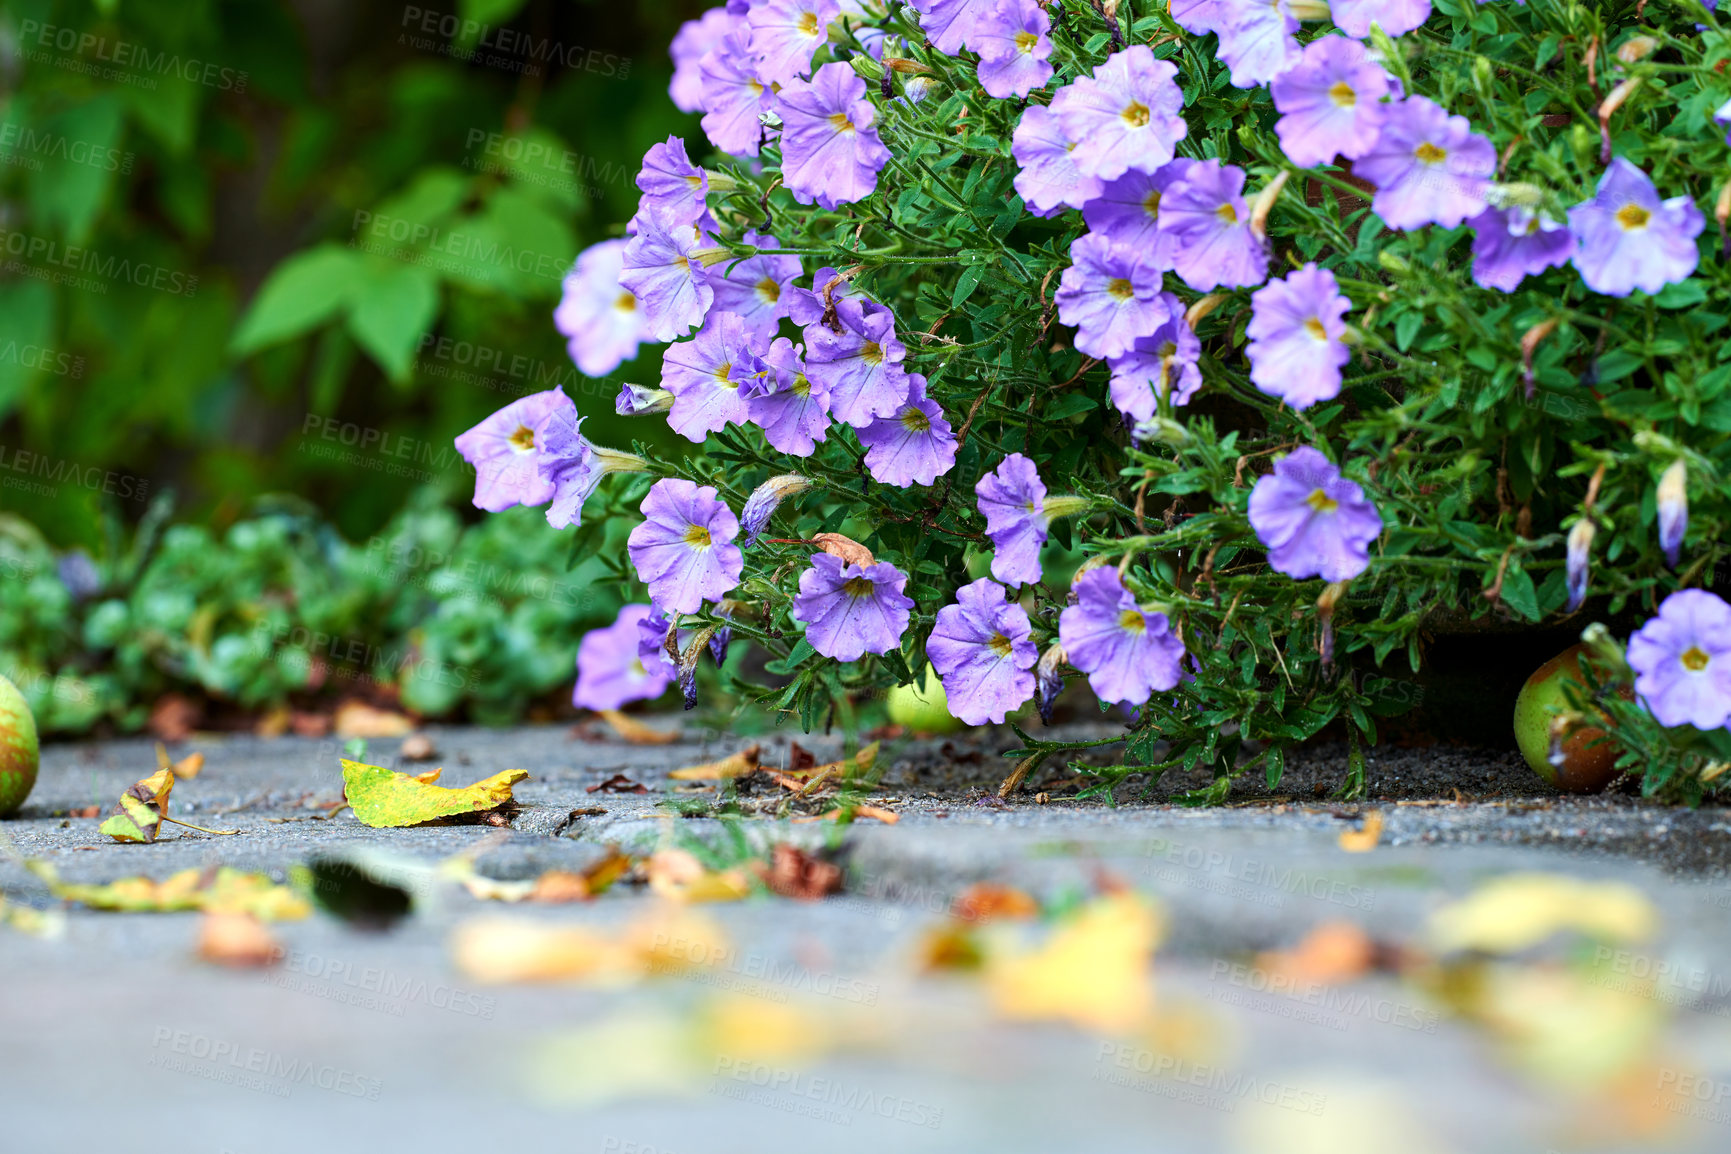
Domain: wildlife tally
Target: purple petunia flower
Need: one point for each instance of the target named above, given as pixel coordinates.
(860, 366)
(1396, 17)
(1723, 116)
(852, 610)
(568, 462)
(1014, 48)
(684, 548)
(1629, 239)
(1157, 365)
(912, 447)
(1296, 352)
(693, 40)
(1313, 521)
(1213, 242)
(785, 34)
(982, 649)
(505, 450)
(757, 287)
(674, 189)
(790, 407)
(763, 502)
(734, 100)
(664, 267)
(1682, 661)
(1128, 114)
(1429, 167)
(1012, 499)
(1110, 295)
(830, 150)
(704, 375)
(1673, 510)
(951, 24)
(638, 400)
(1128, 653)
(1257, 41)
(1048, 179)
(610, 670)
(808, 306)
(1128, 211)
(1511, 244)
(597, 315)
(1330, 103)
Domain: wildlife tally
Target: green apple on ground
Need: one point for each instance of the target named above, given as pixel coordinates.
(19, 752)
(927, 712)
(1586, 767)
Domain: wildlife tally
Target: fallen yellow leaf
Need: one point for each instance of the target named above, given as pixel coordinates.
(736, 765)
(358, 719)
(1518, 911)
(236, 940)
(224, 890)
(676, 874)
(634, 731)
(665, 941)
(383, 798)
(1092, 971)
(1363, 840)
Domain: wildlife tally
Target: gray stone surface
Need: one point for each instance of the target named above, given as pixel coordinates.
(108, 1022)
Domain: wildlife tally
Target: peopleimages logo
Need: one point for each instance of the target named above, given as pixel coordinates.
(219, 1060)
(19, 144)
(504, 48)
(124, 56)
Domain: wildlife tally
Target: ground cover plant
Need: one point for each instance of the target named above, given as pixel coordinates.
(1207, 352)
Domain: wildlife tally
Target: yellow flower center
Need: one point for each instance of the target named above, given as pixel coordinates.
(1321, 502)
(1428, 153)
(801, 386)
(858, 587)
(1695, 659)
(523, 440)
(1227, 214)
(1151, 206)
(872, 353)
(627, 303)
(1133, 620)
(807, 23)
(1136, 114)
(697, 537)
(1343, 95)
(1120, 289)
(1313, 326)
(1001, 645)
(915, 421)
(768, 290)
(841, 121)
(1025, 42)
(1632, 217)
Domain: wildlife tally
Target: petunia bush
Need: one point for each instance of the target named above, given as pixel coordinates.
(1215, 353)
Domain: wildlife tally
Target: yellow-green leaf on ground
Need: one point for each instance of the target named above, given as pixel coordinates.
(735, 765)
(222, 891)
(1093, 971)
(1518, 911)
(383, 798)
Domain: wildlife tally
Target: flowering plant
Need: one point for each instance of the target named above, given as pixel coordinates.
(1213, 351)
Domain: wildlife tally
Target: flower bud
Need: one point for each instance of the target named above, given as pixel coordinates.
(1162, 429)
(1636, 49)
(1393, 263)
(1265, 204)
(1483, 73)
(1056, 507)
(638, 400)
(1580, 551)
(1673, 510)
(764, 500)
(1049, 680)
(1325, 612)
(723, 635)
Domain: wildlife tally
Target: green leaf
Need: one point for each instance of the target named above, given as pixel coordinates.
(966, 284)
(301, 293)
(1519, 593)
(26, 325)
(393, 306)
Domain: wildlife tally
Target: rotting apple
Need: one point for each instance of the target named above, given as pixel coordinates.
(20, 753)
(1586, 763)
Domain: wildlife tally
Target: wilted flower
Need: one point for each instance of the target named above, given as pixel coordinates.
(611, 671)
(1014, 48)
(1048, 180)
(1156, 365)
(831, 152)
(684, 548)
(1330, 103)
(785, 34)
(764, 501)
(1682, 661)
(638, 400)
(1673, 511)
(757, 287)
(861, 365)
(705, 373)
(1128, 114)
(912, 447)
(664, 267)
(850, 610)
(982, 650)
(1629, 239)
(1296, 352)
(734, 100)
(1512, 244)
(1579, 554)
(597, 314)
(1313, 521)
(1049, 679)
(790, 407)
(1111, 295)
(1213, 243)
(1128, 653)
(505, 450)
(1428, 167)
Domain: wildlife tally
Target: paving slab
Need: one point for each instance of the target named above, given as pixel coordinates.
(364, 1040)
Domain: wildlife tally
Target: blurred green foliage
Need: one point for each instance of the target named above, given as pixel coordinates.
(257, 246)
